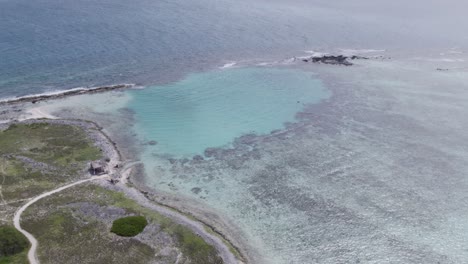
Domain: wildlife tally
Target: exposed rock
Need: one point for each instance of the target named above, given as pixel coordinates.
(37, 98)
(114, 181)
(334, 59)
(105, 213)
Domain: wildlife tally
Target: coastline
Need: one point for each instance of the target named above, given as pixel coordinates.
(208, 217)
(183, 205)
(325, 120)
(222, 227)
(118, 175)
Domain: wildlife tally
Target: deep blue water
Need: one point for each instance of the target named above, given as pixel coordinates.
(58, 44)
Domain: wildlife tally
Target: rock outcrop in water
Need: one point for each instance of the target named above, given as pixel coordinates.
(334, 59)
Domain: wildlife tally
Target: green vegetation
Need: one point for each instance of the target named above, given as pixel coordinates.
(20, 258)
(129, 226)
(12, 242)
(59, 145)
(191, 245)
(39, 156)
(70, 225)
(195, 247)
(69, 237)
(35, 158)
(67, 232)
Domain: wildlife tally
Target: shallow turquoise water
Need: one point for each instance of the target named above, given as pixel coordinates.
(211, 109)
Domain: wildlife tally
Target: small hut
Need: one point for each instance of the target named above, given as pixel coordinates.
(97, 167)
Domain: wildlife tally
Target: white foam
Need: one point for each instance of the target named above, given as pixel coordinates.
(289, 61)
(350, 52)
(445, 60)
(455, 50)
(228, 65)
(315, 54)
(138, 87)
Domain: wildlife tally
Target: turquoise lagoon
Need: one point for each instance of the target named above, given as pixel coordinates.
(211, 109)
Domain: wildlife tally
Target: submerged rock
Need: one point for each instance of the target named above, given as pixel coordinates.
(197, 158)
(196, 190)
(152, 142)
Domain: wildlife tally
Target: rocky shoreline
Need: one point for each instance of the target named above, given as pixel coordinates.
(42, 97)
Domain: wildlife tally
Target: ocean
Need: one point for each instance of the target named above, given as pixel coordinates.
(50, 45)
(307, 163)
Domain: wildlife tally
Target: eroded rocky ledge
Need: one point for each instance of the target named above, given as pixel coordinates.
(41, 97)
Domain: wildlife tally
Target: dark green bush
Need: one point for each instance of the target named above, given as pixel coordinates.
(11, 241)
(129, 226)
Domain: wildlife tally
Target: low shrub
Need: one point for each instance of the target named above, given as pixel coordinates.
(129, 226)
(11, 241)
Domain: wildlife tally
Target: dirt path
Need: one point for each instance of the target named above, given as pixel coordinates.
(17, 218)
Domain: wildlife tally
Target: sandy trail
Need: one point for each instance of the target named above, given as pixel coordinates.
(17, 218)
(127, 170)
(36, 113)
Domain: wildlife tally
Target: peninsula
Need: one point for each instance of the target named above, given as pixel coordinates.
(49, 194)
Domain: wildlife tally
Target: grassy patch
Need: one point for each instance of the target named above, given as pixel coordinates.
(191, 245)
(129, 226)
(195, 247)
(65, 237)
(59, 145)
(37, 157)
(67, 233)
